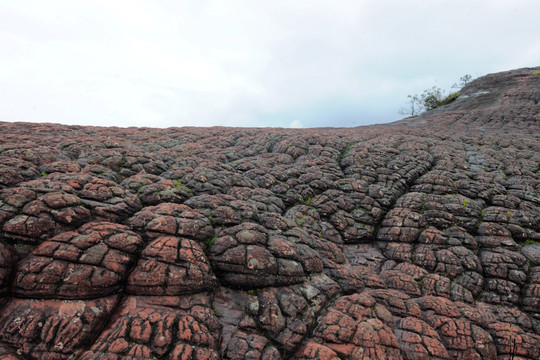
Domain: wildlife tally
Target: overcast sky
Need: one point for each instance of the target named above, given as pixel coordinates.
(294, 63)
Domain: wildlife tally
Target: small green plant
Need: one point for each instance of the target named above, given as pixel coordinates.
(531, 242)
(43, 173)
(308, 201)
(464, 203)
(448, 99)
(299, 219)
(432, 97)
(211, 241)
(537, 72)
(183, 188)
(347, 149)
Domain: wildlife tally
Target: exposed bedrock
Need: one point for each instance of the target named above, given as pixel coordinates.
(414, 240)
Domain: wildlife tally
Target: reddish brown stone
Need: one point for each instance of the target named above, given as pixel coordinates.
(52, 329)
(7, 354)
(401, 281)
(246, 256)
(145, 327)
(172, 219)
(531, 295)
(313, 350)
(355, 327)
(418, 340)
(94, 261)
(511, 340)
(14, 171)
(398, 303)
(171, 266)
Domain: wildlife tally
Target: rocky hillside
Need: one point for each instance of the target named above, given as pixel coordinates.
(506, 101)
(416, 240)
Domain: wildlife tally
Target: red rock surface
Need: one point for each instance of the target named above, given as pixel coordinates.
(414, 240)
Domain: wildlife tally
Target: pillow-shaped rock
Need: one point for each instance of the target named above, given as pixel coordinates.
(172, 219)
(247, 256)
(171, 265)
(90, 262)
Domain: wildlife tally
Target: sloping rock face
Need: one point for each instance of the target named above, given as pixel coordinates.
(416, 240)
(506, 101)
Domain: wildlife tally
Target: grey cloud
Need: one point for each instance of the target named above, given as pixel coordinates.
(248, 63)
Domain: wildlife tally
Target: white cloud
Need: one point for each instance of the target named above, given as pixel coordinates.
(248, 63)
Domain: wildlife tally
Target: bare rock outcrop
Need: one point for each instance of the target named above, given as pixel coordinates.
(414, 240)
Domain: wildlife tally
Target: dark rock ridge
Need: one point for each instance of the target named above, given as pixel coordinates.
(415, 240)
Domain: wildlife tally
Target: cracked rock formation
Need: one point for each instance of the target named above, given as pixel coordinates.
(414, 240)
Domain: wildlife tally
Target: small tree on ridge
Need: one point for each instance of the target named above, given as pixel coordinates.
(432, 98)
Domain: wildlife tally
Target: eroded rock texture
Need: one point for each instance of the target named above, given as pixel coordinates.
(414, 240)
